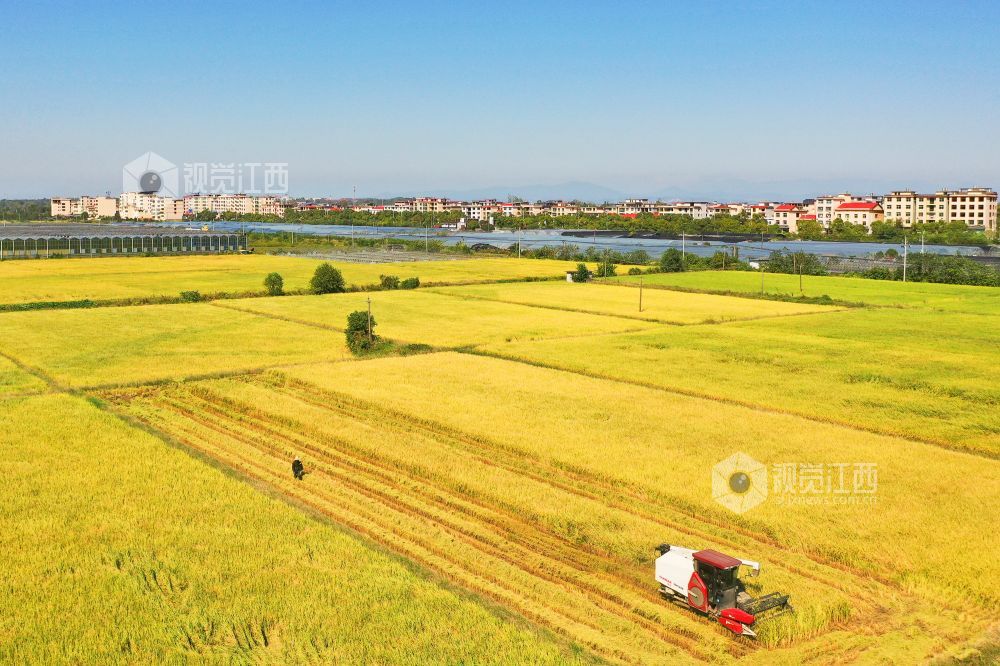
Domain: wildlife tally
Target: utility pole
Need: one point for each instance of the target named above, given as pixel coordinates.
(762, 264)
(905, 248)
(640, 292)
(369, 320)
(683, 252)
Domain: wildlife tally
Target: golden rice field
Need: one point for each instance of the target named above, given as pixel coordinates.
(113, 345)
(120, 549)
(29, 281)
(547, 495)
(658, 305)
(497, 499)
(945, 297)
(427, 317)
(911, 372)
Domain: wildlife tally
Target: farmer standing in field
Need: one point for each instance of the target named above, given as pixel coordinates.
(297, 469)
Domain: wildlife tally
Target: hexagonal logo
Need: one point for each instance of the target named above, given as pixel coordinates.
(152, 174)
(739, 483)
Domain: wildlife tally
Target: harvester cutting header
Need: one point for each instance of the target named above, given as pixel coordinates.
(708, 582)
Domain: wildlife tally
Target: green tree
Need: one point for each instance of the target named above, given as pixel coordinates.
(410, 283)
(389, 281)
(672, 261)
(327, 280)
(810, 230)
(360, 332)
(274, 284)
(581, 274)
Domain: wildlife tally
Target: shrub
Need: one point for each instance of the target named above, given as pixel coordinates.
(274, 284)
(389, 281)
(360, 332)
(672, 261)
(635, 270)
(582, 273)
(410, 283)
(327, 280)
(191, 296)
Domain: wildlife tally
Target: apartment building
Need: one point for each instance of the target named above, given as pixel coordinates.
(975, 206)
(94, 207)
(144, 206)
(859, 212)
(826, 206)
(242, 204)
(787, 216)
(430, 205)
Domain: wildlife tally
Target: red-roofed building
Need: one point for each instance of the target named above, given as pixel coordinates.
(859, 212)
(787, 216)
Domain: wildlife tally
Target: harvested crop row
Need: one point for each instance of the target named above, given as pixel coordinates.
(463, 453)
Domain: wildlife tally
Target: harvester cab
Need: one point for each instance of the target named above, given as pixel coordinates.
(708, 581)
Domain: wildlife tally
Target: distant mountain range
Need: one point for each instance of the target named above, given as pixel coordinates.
(718, 189)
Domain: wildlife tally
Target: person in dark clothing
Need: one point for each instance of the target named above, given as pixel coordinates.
(297, 469)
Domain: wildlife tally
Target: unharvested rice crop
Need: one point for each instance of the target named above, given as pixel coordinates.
(60, 280)
(434, 319)
(946, 297)
(914, 373)
(15, 381)
(157, 342)
(547, 490)
(119, 549)
(658, 305)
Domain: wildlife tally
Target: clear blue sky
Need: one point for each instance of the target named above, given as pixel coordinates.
(642, 98)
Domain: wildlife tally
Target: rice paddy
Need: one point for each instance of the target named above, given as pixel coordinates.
(497, 498)
(657, 305)
(28, 281)
(120, 549)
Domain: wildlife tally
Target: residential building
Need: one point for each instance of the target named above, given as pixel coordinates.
(242, 204)
(145, 206)
(976, 207)
(787, 216)
(826, 206)
(94, 207)
(859, 212)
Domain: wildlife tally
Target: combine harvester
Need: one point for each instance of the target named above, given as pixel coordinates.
(708, 582)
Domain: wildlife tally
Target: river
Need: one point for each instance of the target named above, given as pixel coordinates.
(601, 240)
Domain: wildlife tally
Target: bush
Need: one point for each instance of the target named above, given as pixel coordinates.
(274, 284)
(327, 280)
(635, 270)
(410, 283)
(672, 261)
(360, 332)
(389, 281)
(605, 269)
(582, 273)
(191, 296)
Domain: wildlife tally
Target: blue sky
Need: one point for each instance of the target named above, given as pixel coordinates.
(770, 99)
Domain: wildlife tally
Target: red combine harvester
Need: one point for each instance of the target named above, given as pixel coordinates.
(708, 582)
